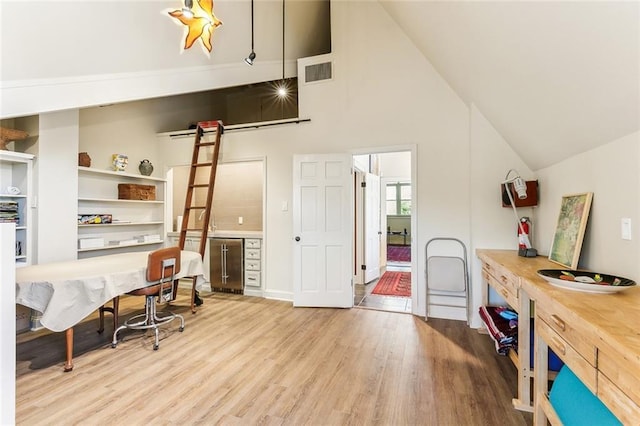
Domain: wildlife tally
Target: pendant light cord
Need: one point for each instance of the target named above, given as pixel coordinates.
(252, 25)
(283, 40)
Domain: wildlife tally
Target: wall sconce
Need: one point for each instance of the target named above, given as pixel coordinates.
(520, 187)
(252, 56)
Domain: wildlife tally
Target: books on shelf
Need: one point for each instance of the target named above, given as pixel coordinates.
(94, 219)
(9, 212)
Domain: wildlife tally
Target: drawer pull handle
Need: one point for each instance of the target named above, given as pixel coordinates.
(504, 292)
(559, 346)
(503, 279)
(557, 321)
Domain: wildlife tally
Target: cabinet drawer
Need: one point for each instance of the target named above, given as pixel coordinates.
(623, 407)
(252, 279)
(252, 264)
(502, 276)
(578, 364)
(505, 291)
(620, 371)
(250, 253)
(568, 332)
(252, 243)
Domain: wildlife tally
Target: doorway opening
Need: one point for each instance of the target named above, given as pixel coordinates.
(383, 210)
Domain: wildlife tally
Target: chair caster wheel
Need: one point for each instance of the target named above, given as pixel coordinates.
(181, 329)
(155, 347)
(113, 345)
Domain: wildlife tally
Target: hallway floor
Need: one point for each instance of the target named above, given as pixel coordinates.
(364, 299)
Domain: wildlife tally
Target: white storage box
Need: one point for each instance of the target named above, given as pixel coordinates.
(148, 238)
(93, 242)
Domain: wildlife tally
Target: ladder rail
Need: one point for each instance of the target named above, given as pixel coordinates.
(212, 181)
(205, 215)
(189, 195)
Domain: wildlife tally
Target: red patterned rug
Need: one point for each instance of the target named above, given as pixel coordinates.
(393, 283)
(398, 253)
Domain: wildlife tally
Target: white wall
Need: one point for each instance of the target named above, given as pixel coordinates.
(493, 226)
(611, 172)
(56, 176)
(396, 165)
(384, 95)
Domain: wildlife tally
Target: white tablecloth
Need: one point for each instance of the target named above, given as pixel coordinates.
(67, 292)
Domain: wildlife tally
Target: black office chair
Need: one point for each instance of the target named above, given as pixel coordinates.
(162, 267)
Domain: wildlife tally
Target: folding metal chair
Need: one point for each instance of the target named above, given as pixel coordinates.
(447, 277)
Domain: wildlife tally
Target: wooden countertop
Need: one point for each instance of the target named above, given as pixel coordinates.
(612, 319)
(221, 234)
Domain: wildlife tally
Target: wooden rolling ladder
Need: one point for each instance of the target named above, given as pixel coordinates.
(196, 216)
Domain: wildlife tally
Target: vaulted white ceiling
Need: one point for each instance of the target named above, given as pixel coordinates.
(554, 78)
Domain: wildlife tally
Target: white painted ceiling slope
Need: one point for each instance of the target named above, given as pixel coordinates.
(555, 78)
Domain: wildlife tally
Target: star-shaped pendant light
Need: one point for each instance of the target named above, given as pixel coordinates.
(199, 21)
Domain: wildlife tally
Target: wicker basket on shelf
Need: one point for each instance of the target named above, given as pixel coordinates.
(130, 191)
(8, 135)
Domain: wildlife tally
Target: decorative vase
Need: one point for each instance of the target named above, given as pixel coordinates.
(145, 167)
(119, 162)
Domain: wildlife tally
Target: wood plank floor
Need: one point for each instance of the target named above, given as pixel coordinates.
(244, 360)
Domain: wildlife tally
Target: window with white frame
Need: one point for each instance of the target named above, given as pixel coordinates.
(398, 199)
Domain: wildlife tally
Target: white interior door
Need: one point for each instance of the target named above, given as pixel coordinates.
(322, 229)
(372, 230)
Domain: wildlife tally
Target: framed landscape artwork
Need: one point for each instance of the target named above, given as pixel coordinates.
(572, 222)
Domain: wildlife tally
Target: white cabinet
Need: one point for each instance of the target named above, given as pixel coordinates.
(135, 224)
(252, 262)
(192, 243)
(16, 197)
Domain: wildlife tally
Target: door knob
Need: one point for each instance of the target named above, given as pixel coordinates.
(297, 238)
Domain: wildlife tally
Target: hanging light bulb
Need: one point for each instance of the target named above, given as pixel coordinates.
(186, 10)
(282, 90)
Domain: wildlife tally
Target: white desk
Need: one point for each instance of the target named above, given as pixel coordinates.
(67, 292)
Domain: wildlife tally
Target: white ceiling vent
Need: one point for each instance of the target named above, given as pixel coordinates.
(318, 72)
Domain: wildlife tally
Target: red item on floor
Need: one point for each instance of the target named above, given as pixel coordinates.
(394, 283)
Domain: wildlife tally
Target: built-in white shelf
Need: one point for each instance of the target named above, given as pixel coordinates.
(107, 225)
(114, 246)
(98, 194)
(119, 174)
(16, 170)
(115, 200)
